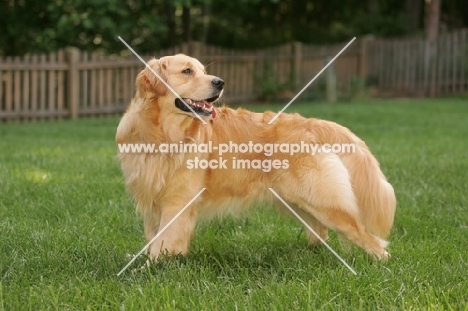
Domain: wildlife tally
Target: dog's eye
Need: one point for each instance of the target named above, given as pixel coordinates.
(187, 71)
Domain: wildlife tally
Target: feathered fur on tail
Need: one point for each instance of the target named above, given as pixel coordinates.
(375, 196)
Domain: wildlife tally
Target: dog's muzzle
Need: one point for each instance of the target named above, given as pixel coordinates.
(203, 107)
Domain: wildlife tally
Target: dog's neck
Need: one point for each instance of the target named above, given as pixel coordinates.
(168, 127)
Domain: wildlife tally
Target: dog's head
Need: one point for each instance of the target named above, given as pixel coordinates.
(187, 77)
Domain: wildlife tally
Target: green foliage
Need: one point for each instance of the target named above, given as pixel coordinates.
(355, 90)
(269, 86)
(47, 25)
(67, 225)
(317, 91)
(266, 23)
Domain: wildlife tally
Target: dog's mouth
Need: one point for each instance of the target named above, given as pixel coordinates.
(202, 107)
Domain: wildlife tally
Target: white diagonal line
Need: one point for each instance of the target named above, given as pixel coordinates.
(160, 79)
(310, 82)
(312, 230)
(160, 232)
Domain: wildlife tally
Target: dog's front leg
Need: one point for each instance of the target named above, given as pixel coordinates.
(151, 223)
(176, 238)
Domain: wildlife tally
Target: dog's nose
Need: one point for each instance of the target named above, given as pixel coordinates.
(218, 83)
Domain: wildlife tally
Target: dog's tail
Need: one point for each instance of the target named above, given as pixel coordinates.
(375, 196)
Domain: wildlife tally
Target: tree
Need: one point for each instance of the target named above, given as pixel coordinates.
(432, 19)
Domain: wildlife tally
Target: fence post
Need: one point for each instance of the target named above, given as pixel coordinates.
(72, 57)
(434, 86)
(297, 52)
(330, 78)
(364, 55)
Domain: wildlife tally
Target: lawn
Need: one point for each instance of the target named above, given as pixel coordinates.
(67, 225)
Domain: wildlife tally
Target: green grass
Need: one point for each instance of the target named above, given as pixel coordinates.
(67, 223)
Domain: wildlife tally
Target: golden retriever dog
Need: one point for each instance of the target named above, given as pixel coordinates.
(342, 191)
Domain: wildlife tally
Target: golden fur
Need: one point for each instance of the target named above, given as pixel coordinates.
(346, 192)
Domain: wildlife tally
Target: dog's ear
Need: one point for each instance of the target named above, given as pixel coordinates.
(148, 82)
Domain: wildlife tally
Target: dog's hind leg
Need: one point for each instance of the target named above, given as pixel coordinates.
(324, 190)
(318, 227)
(340, 220)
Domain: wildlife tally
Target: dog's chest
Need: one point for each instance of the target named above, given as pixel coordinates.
(148, 173)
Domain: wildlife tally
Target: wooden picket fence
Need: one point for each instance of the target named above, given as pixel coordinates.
(418, 67)
(68, 83)
(71, 83)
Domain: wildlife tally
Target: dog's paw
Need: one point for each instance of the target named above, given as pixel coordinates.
(385, 256)
(142, 268)
(138, 270)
